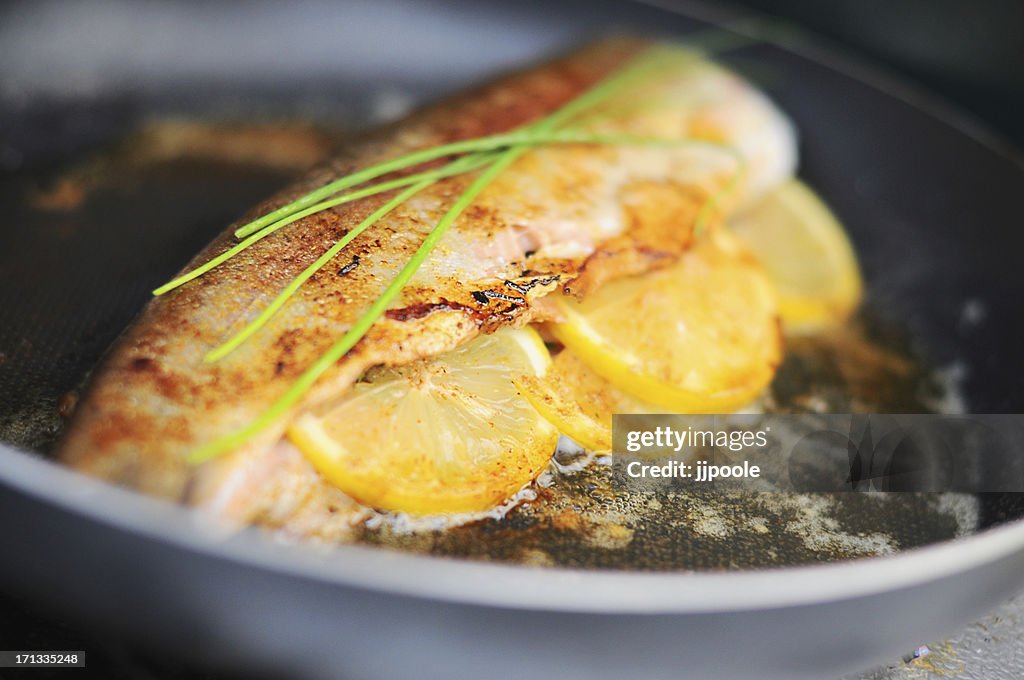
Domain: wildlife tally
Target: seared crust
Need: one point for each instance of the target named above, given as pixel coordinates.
(562, 218)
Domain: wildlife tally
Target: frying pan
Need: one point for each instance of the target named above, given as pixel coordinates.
(931, 204)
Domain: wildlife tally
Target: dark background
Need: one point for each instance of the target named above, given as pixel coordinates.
(970, 52)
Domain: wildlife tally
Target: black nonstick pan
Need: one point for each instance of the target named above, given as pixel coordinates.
(129, 137)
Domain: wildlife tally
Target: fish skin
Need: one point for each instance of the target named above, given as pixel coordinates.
(581, 213)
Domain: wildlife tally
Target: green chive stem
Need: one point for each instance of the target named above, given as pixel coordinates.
(641, 65)
(289, 290)
(419, 157)
(457, 167)
(488, 143)
(359, 329)
(704, 214)
(231, 344)
(606, 88)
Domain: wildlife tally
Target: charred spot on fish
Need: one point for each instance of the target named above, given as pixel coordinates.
(350, 266)
(524, 288)
(142, 364)
(481, 215)
(512, 310)
(279, 368)
(287, 341)
(485, 296)
(422, 309)
(530, 253)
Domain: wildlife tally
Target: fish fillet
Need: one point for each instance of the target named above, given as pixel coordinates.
(562, 218)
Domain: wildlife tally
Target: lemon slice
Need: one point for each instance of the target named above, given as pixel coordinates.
(579, 402)
(807, 255)
(700, 336)
(447, 434)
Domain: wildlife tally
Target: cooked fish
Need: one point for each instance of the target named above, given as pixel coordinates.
(562, 218)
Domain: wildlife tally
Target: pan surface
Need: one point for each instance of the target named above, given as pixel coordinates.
(930, 206)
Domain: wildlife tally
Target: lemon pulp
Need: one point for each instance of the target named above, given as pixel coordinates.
(807, 255)
(579, 402)
(446, 434)
(700, 336)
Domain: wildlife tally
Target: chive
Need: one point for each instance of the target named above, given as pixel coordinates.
(359, 329)
(252, 327)
(461, 165)
(716, 39)
(520, 141)
(419, 157)
(489, 143)
(478, 144)
(642, 65)
(704, 214)
(453, 168)
(226, 348)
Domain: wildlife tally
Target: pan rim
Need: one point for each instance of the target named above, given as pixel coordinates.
(556, 589)
(471, 582)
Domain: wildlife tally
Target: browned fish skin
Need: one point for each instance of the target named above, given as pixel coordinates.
(154, 400)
